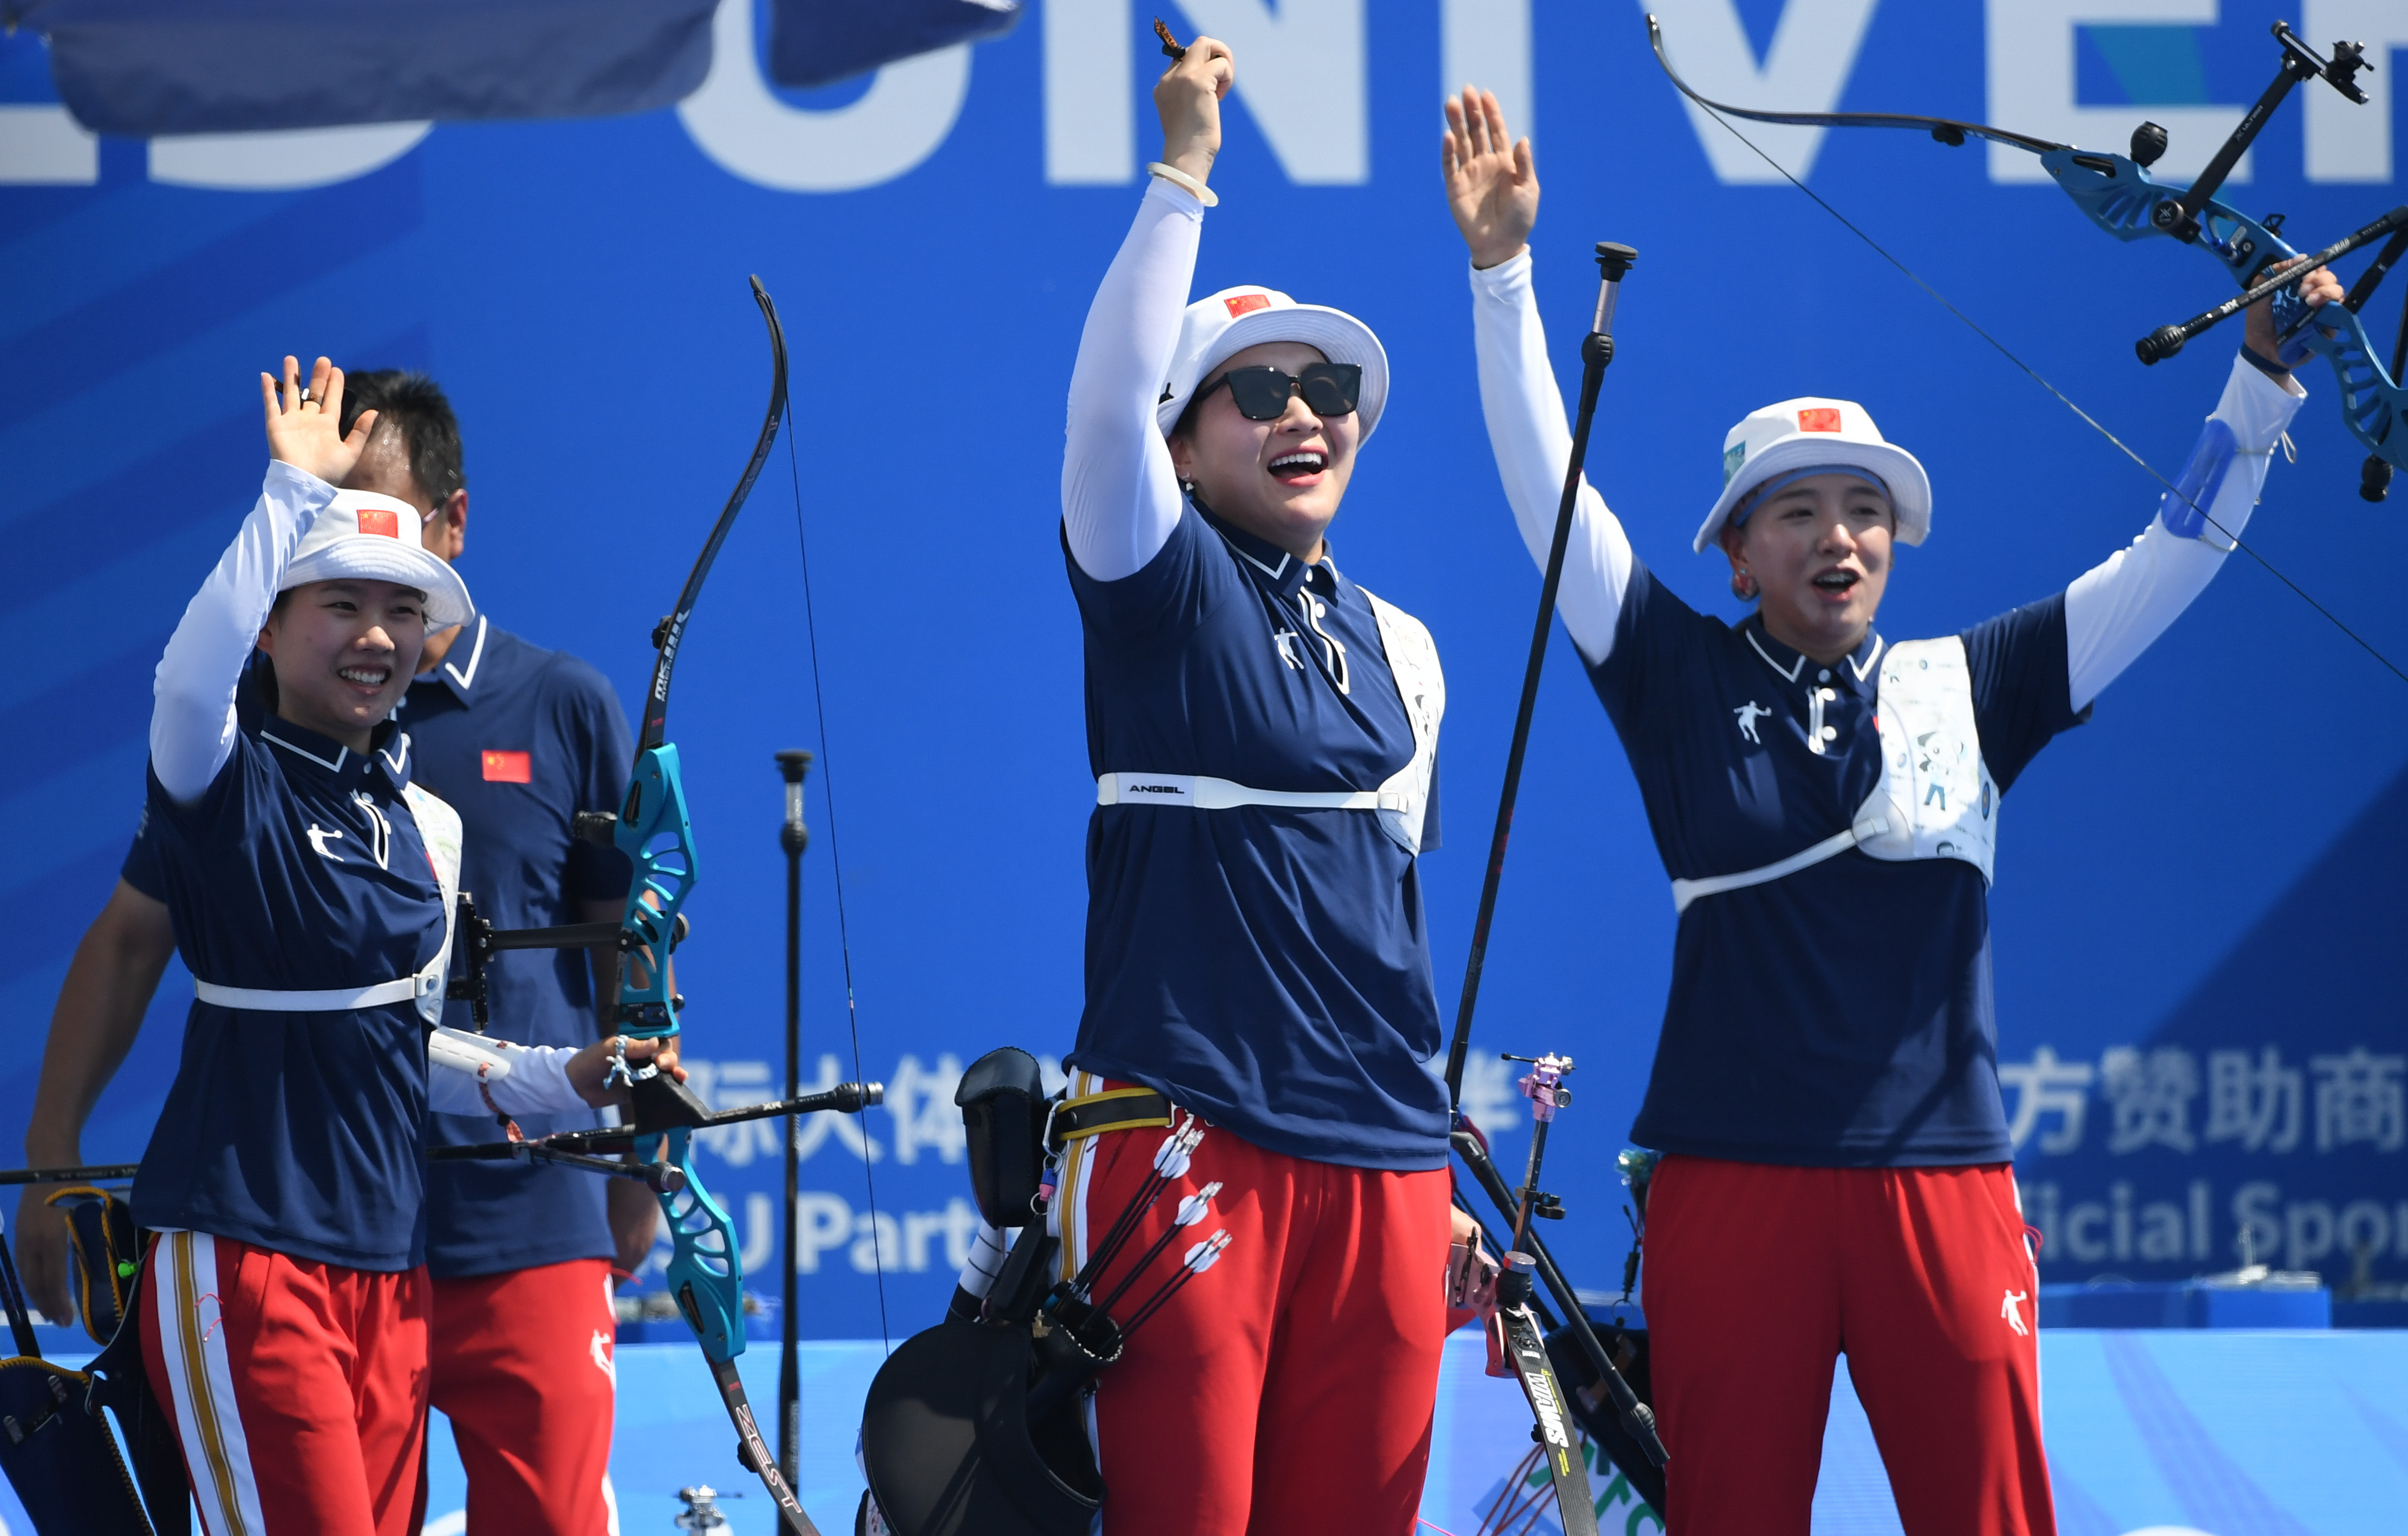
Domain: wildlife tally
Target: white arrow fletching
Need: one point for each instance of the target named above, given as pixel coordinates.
(1177, 1148)
(1196, 1207)
(1206, 1253)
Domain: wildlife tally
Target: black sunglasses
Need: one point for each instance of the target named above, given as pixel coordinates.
(1329, 389)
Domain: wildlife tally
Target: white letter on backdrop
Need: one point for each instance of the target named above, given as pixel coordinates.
(737, 121)
(1486, 43)
(43, 146)
(2347, 142)
(284, 159)
(1090, 129)
(1300, 72)
(2031, 87)
(1813, 49)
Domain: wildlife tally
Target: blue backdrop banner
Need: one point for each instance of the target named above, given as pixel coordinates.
(2201, 1032)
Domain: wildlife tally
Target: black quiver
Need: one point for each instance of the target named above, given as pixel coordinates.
(54, 1446)
(949, 1440)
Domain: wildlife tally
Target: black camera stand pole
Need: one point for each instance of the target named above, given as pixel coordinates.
(794, 836)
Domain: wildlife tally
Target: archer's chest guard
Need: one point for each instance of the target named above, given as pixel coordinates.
(1935, 798)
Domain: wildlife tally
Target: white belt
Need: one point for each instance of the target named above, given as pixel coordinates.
(1687, 891)
(1199, 793)
(331, 1000)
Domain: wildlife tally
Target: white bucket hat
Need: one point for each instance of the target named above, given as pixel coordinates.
(1806, 433)
(1215, 329)
(367, 537)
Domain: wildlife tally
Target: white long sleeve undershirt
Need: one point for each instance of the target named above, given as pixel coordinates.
(193, 710)
(2111, 611)
(1120, 495)
(522, 1079)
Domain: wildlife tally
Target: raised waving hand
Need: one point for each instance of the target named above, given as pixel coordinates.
(1492, 184)
(306, 430)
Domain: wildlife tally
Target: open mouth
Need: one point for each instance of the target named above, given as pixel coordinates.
(365, 677)
(1839, 584)
(1300, 468)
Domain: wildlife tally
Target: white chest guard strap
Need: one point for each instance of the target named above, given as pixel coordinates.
(1399, 803)
(1935, 798)
(438, 827)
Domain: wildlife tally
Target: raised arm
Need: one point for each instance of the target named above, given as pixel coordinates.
(1492, 187)
(192, 709)
(2115, 611)
(1119, 497)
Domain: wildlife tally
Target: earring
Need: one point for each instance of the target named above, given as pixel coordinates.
(1742, 585)
(1187, 488)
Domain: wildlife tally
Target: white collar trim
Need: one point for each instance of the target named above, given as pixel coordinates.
(1790, 672)
(342, 754)
(475, 654)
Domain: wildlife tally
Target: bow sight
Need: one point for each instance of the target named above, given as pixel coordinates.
(2119, 195)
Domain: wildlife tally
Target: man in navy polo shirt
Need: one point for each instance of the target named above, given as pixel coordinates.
(517, 740)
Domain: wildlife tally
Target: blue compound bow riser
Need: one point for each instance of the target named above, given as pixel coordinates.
(651, 826)
(2121, 197)
(706, 1268)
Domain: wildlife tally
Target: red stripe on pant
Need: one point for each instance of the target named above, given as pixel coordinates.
(523, 1368)
(1288, 1391)
(1758, 1276)
(297, 1389)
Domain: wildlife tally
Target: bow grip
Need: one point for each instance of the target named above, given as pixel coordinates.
(656, 833)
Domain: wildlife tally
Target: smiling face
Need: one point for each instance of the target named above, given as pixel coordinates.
(344, 653)
(1819, 551)
(1280, 481)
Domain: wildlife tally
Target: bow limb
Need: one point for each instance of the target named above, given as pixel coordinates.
(1947, 130)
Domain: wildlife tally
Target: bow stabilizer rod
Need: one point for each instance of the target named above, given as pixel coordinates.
(2166, 340)
(95, 1174)
(1597, 351)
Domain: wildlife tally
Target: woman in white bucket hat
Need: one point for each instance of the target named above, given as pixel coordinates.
(1836, 1156)
(1263, 732)
(310, 884)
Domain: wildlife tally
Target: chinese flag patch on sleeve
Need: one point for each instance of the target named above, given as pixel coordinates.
(509, 768)
(1819, 419)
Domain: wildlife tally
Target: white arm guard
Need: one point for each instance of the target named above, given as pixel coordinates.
(2115, 609)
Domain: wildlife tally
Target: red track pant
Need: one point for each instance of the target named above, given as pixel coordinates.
(1758, 1276)
(1287, 1391)
(298, 1389)
(523, 1368)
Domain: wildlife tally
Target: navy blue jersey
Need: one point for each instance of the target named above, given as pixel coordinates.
(1840, 1017)
(1266, 968)
(299, 869)
(517, 740)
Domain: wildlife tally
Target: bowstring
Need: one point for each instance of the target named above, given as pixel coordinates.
(836, 859)
(2095, 426)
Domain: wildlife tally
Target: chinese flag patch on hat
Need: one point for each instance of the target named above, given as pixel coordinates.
(1820, 419)
(380, 520)
(1246, 304)
(509, 768)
